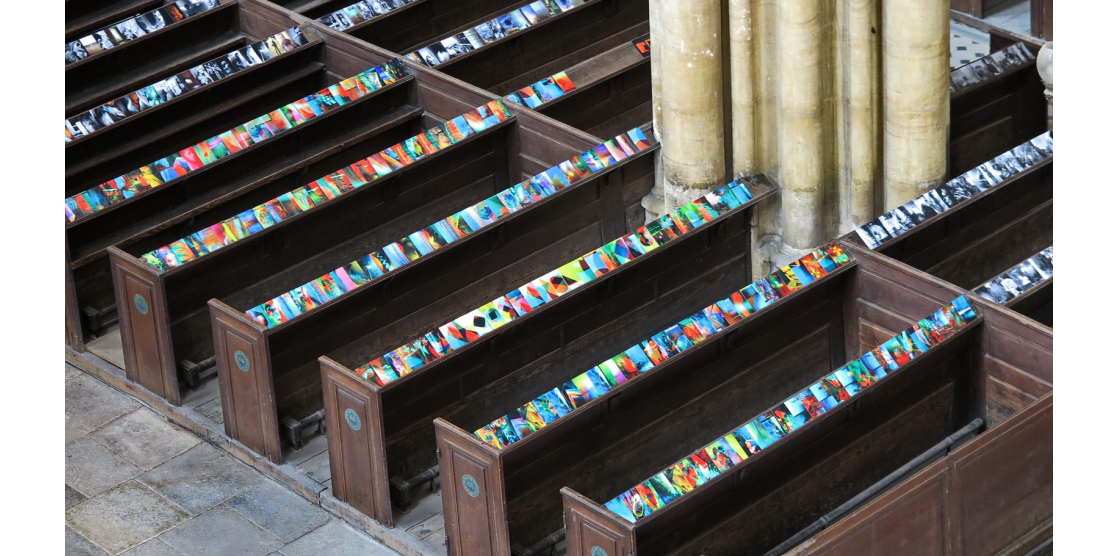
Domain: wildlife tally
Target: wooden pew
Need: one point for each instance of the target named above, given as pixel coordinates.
(995, 115)
(996, 490)
(281, 381)
(373, 464)
(160, 130)
(1025, 288)
(774, 494)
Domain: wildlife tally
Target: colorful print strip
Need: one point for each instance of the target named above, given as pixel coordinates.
(188, 80)
(900, 220)
(1018, 280)
(326, 188)
(771, 426)
(543, 91)
(253, 132)
(135, 27)
(649, 354)
(360, 12)
(493, 30)
(553, 285)
(444, 232)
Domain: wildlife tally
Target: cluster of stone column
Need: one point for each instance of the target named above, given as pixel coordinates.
(843, 103)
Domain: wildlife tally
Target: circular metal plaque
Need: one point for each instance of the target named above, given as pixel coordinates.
(241, 359)
(598, 551)
(353, 420)
(470, 484)
(141, 304)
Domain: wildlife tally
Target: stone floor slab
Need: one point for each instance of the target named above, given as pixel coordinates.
(145, 438)
(124, 517)
(201, 478)
(90, 404)
(77, 545)
(221, 531)
(336, 539)
(279, 511)
(73, 497)
(154, 547)
(92, 469)
(72, 372)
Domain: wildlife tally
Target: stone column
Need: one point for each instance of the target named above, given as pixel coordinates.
(690, 52)
(916, 80)
(742, 94)
(860, 42)
(799, 55)
(654, 62)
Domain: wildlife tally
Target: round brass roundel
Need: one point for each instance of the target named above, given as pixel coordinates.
(241, 359)
(141, 304)
(470, 484)
(598, 551)
(353, 420)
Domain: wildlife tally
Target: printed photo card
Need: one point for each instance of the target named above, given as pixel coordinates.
(543, 91)
(490, 31)
(915, 212)
(254, 131)
(135, 27)
(681, 336)
(444, 232)
(784, 419)
(360, 12)
(166, 89)
(986, 67)
(1022, 278)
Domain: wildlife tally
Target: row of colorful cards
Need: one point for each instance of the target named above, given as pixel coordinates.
(357, 273)
(360, 12)
(648, 354)
(166, 89)
(545, 90)
(241, 137)
(988, 66)
(643, 45)
(493, 30)
(557, 283)
(1014, 282)
(771, 426)
(900, 220)
(135, 27)
(337, 183)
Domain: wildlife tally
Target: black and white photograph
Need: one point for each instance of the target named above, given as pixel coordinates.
(993, 291)
(1043, 261)
(889, 222)
(977, 181)
(219, 68)
(427, 57)
(1010, 162)
(981, 69)
(872, 234)
(107, 115)
(903, 220)
(366, 9)
(74, 52)
(189, 82)
(919, 210)
(1017, 55)
(439, 52)
(1009, 284)
(996, 171)
(152, 21)
(130, 29)
(1029, 271)
(251, 55)
(103, 40)
(935, 201)
(456, 46)
(340, 20)
(1028, 154)
(964, 77)
(201, 76)
(296, 36)
(490, 31)
(169, 88)
(193, 7)
(263, 52)
(955, 191)
(237, 60)
(1043, 143)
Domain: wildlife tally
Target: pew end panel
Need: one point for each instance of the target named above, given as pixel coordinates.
(473, 493)
(593, 530)
(144, 325)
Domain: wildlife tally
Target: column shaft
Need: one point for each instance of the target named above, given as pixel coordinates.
(742, 95)
(861, 97)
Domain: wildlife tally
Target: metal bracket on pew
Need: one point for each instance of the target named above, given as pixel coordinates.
(97, 320)
(294, 431)
(400, 489)
(193, 373)
(544, 546)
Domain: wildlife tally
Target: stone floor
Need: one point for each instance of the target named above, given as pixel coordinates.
(139, 485)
